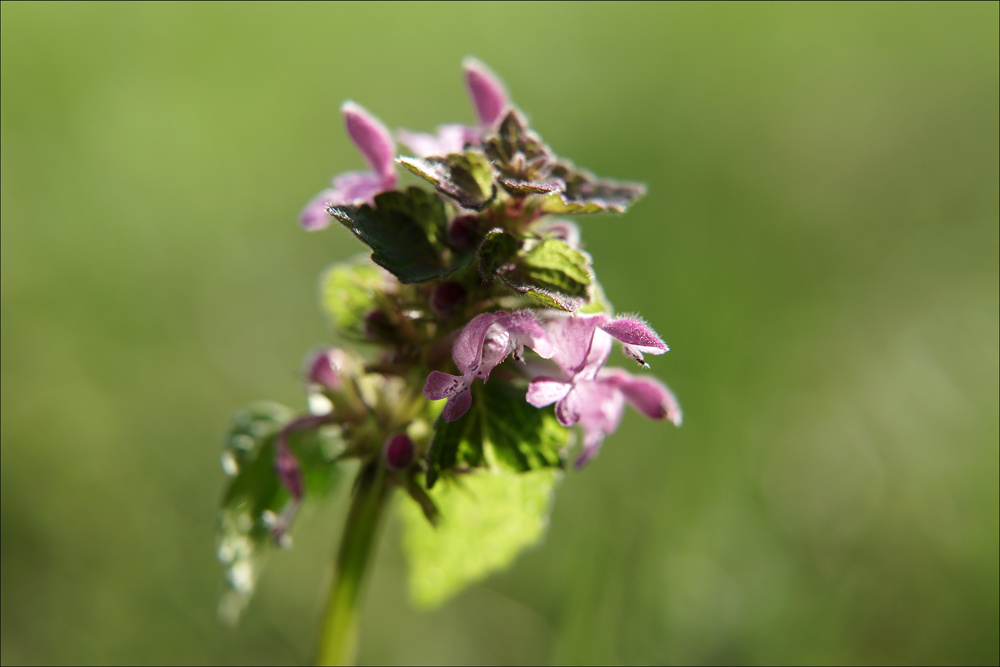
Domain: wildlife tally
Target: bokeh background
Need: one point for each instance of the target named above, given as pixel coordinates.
(819, 246)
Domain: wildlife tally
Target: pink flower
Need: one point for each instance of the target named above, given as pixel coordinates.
(585, 393)
(353, 188)
(480, 347)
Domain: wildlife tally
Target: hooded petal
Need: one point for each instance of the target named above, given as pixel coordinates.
(524, 331)
(636, 334)
(468, 349)
(372, 139)
(570, 337)
(488, 94)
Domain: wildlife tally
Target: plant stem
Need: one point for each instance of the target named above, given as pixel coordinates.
(339, 635)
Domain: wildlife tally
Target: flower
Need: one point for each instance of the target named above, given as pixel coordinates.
(582, 345)
(353, 188)
(480, 347)
(489, 97)
(603, 399)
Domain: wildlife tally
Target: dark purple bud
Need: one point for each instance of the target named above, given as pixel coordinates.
(378, 326)
(446, 296)
(463, 232)
(399, 452)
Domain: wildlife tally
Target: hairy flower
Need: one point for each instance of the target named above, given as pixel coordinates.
(357, 187)
(582, 344)
(602, 402)
(480, 347)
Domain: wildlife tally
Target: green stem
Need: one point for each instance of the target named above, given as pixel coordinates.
(339, 635)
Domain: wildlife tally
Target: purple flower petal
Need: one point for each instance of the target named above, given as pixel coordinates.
(451, 138)
(325, 368)
(545, 391)
(457, 405)
(468, 349)
(442, 385)
(314, 216)
(636, 334)
(488, 94)
(648, 396)
(372, 139)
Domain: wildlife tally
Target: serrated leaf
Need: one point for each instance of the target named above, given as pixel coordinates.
(555, 266)
(501, 431)
(496, 253)
(487, 519)
(585, 193)
(349, 291)
(465, 177)
(255, 497)
(522, 188)
(518, 153)
(402, 230)
(550, 272)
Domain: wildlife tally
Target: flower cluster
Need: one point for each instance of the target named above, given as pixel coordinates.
(472, 263)
(483, 266)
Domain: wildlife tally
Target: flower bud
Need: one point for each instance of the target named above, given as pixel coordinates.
(446, 297)
(463, 232)
(398, 452)
(326, 368)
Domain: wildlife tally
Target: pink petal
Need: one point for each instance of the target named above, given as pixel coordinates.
(635, 333)
(488, 94)
(568, 409)
(457, 406)
(371, 137)
(442, 385)
(525, 330)
(468, 349)
(314, 216)
(545, 391)
(449, 139)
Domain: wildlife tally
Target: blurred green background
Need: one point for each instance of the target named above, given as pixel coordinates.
(819, 246)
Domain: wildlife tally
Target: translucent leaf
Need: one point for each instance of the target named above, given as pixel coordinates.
(404, 231)
(465, 177)
(349, 291)
(501, 431)
(585, 193)
(555, 266)
(487, 519)
(550, 272)
(255, 503)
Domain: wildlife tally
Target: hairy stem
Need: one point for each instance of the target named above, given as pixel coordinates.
(339, 634)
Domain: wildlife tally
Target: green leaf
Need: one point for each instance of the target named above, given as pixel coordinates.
(403, 231)
(550, 272)
(555, 266)
(496, 253)
(487, 519)
(585, 193)
(255, 497)
(501, 431)
(465, 177)
(349, 291)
